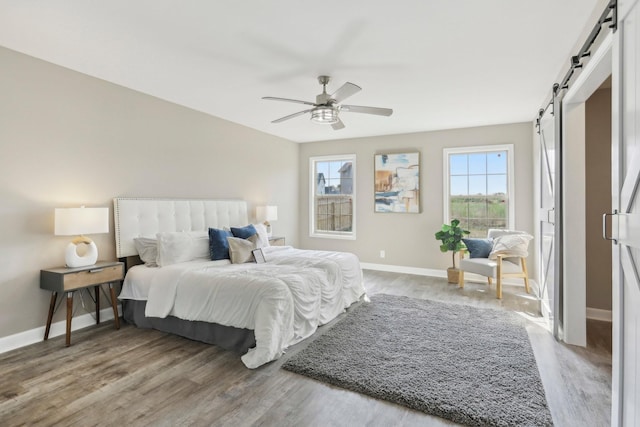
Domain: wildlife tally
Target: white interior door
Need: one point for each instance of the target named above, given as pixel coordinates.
(546, 244)
(626, 224)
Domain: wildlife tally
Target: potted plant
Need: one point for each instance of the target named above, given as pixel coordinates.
(451, 237)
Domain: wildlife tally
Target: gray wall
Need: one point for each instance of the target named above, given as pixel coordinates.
(67, 139)
(598, 197)
(408, 239)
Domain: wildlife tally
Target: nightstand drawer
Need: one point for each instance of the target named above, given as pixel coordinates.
(72, 280)
(92, 277)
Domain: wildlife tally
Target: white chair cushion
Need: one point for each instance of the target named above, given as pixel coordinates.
(487, 267)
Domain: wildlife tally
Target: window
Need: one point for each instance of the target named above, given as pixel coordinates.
(479, 187)
(333, 189)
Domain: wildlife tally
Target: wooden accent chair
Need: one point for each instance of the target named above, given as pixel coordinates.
(504, 265)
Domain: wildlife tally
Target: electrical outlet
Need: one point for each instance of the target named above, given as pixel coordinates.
(382, 254)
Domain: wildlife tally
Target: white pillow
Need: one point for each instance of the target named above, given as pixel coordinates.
(147, 250)
(241, 250)
(263, 237)
(175, 247)
(513, 245)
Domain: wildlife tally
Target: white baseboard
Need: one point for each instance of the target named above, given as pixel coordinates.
(470, 277)
(35, 335)
(599, 314)
(403, 269)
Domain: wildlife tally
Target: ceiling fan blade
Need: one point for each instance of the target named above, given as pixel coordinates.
(337, 125)
(273, 98)
(345, 91)
(290, 116)
(366, 110)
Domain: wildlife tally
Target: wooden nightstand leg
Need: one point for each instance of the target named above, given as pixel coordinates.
(69, 315)
(52, 305)
(114, 304)
(97, 291)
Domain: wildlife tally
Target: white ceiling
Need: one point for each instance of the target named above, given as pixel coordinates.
(438, 64)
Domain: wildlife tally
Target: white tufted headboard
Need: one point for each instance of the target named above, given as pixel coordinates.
(139, 217)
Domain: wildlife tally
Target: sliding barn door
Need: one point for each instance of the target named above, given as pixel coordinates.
(626, 222)
(549, 158)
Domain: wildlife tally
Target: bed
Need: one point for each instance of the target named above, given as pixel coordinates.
(254, 309)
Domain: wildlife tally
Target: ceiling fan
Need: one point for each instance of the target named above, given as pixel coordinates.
(326, 108)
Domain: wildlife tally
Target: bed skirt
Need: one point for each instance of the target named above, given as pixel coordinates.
(227, 337)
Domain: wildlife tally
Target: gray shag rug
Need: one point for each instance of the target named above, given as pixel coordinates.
(469, 365)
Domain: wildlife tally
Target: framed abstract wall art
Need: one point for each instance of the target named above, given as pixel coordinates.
(397, 182)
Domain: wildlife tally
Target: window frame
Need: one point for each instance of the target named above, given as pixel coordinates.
(509, 148)
(351, 235)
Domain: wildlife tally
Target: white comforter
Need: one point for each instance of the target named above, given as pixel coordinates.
(283, 301)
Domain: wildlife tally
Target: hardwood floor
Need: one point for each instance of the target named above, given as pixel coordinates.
(145, 377)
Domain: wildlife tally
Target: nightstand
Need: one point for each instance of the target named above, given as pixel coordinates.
(69, 280)
(276, 241)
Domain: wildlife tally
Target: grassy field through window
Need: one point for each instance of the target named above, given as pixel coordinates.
(479, 213)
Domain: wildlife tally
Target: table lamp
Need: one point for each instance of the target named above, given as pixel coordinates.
(266, 214)
(78, 222)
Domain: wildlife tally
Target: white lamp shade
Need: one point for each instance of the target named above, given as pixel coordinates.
(79, 221)
(267, 213)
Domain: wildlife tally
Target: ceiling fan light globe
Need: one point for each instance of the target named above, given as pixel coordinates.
(324, 115)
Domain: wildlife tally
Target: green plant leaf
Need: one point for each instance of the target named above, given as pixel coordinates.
(450, 235)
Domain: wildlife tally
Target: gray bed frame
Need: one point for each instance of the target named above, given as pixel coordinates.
(144, 217)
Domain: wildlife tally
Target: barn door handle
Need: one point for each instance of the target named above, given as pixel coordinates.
(551, 216)
(604, 226)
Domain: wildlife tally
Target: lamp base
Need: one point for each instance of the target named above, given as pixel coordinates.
(72, 259)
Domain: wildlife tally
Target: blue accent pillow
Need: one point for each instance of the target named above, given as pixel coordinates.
(218, 244)
(479, 248)
(244, 232)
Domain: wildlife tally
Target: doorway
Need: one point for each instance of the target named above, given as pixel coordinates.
(585, 198)
(598, 201)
